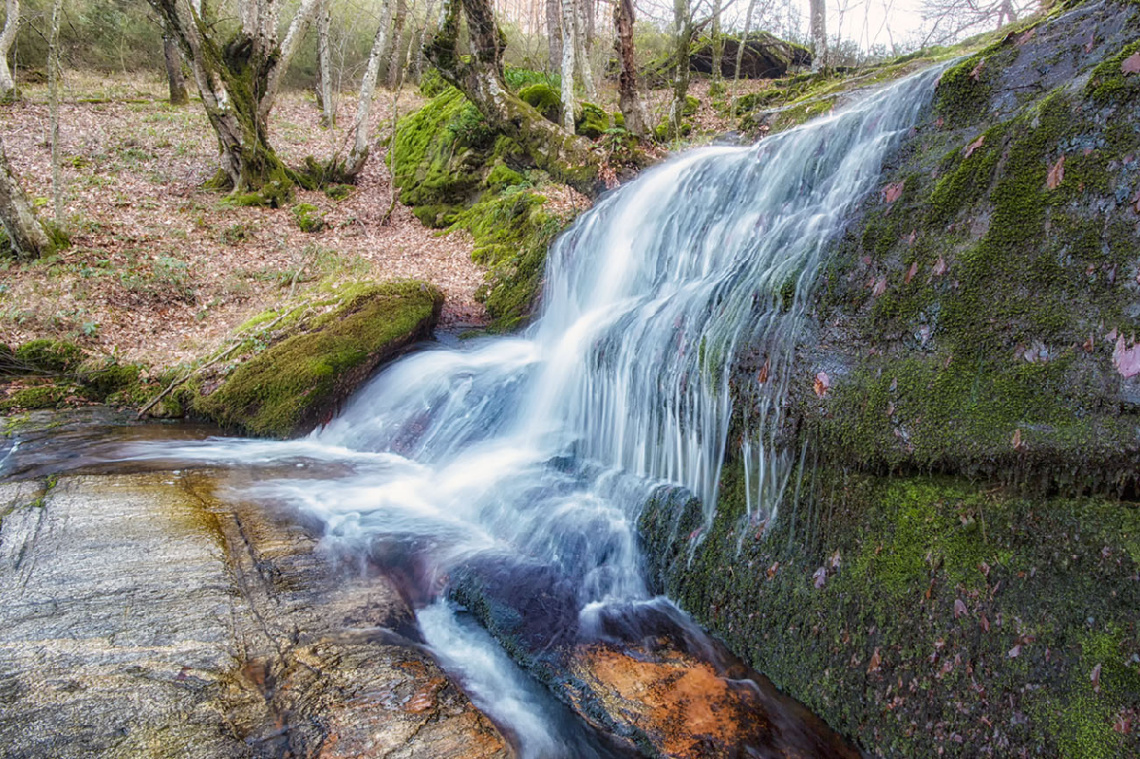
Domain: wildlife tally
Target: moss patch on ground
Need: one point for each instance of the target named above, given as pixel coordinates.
(293, 385)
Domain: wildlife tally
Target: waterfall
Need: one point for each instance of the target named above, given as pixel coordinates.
(546, 445)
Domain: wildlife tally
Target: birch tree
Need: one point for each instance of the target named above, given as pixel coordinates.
(818, 12)
(324, 66)
(358, 155)
(7, 39)
(26, 234)
(238, 80)
(174, 78)
(396, 43)
(554, 35)
(683, 30)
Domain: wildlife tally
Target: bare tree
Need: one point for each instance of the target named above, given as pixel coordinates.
(238, 80)
(629, 101)
(683, 31)
(480, 77)
(324, 66)
(174, 78)
(360, 148)
(554, 34)
(7, 39)
(53, 106)
(818, 12)
(569, 53)
(26, 234)
(396, 45)
(952, 19)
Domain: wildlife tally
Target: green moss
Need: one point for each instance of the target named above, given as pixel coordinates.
(512, 233)
(38, 397)
(308, 217)
(339, 192)
(591, 121)
(502, 176)
(692, 103)
(1109, 84)
(943, 578)
(50, 356)
(286, 388)
(544, 99)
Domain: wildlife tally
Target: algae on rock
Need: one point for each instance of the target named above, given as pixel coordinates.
(295, 384)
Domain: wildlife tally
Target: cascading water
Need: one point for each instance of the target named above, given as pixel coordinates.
(545, 446)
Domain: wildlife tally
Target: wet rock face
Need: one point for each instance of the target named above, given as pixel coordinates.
(140, 617)
(641, 673)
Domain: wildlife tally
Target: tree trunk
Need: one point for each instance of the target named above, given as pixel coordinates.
(565, 156)
(683, 27)
(395, 61)
(628, 99)
(7, 39)
(324, 68)
(582, 40)
(359, 153)
(554, 35)
(717, 41)
(25, 233)
(818, 11)
(740, 52)
(174, 77)
(238, 83)
(418, 65)
(53, 108)
(569, 103)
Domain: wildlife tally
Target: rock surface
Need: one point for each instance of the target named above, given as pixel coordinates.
(139, 616)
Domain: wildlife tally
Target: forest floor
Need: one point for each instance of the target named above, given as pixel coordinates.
(161, 270)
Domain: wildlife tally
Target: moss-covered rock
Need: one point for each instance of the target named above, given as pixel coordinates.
(591, 121)
(293, 385)
(544, 99)
(979, 312)
(920, 613)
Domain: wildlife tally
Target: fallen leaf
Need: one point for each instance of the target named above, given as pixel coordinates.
(1015, 651)
(876, 660)
(820, 577)
(1056, 174)
(984, 568)
(773, 569)
(1131, 64)
(822, 383)
(835, 560)
(1122, 724)
(975, 145)
(976, 74)
(939, 267)
(913, 236)
(1090, 44)
(892, 192)
(762, 377)
(1022, 39)
(959, 608)
(1017, 443)
(1126, 360)
(911, 272)
(1095, 679)
(984, 623)
(1088, 344)
(880, 287)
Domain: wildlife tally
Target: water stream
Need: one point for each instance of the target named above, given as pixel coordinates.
(544, 446)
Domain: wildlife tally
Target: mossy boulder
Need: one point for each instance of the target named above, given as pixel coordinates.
(591, 121)
(544, 99)
(293, 385)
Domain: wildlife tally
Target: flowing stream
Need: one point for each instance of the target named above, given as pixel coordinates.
(546, 445)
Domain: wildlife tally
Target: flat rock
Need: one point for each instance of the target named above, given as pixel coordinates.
(139, 616)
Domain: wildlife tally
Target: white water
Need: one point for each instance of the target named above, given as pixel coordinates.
(546, 446)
